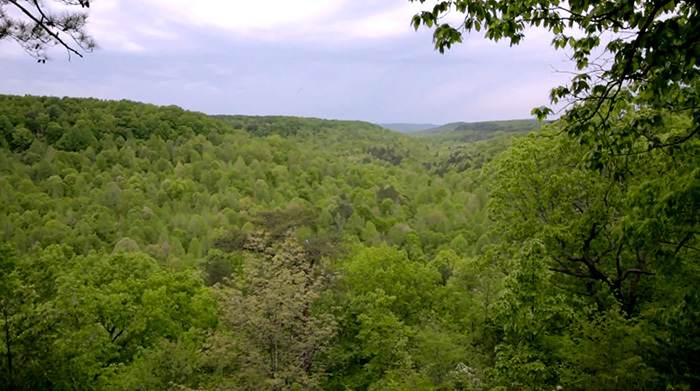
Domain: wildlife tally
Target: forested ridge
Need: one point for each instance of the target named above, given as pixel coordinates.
(146, 247)
(475, 131)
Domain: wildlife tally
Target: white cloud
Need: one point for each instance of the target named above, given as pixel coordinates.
(384, 23)
(116, 27)
(248, 17)
(130, 25)
(10, 49)
(335, 58)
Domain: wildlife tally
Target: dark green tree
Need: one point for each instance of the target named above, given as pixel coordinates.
(20, 139)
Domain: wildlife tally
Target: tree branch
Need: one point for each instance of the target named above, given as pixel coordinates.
(41, 24)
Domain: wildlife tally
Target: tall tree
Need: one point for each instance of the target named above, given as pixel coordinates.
(273, 308)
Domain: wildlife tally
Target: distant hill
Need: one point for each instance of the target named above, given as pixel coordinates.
(407, 127)
(515, 125)
(475, 131)
(296, 126)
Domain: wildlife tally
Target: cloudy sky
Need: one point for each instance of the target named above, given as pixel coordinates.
(347, 59)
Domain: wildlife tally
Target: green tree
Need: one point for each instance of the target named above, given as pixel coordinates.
(125, 302)
(54, 131)
(273, 308)
(385, 298)
(370, 234)
(10, 305)
(652, 47)
(28, 322)
(20, 139)
(77, 138)
(610, 245)
(598, 231)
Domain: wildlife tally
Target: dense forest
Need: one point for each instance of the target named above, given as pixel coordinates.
(475, 131)
(147, 248)
(153, 248)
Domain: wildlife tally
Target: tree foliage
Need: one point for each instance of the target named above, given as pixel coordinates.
(37, 26)
(149, 247)
(157, 210)
(595, 219)
(635, 59)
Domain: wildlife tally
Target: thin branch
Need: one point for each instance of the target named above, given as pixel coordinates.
(45, 28)
(569, 272)
(637, 272)
(682, 243)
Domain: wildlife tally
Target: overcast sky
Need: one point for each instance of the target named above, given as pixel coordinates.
(346, 59)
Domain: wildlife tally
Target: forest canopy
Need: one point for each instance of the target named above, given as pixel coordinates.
(150, 247)
(356, 257)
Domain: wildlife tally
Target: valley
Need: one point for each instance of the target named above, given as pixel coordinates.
(148, 247)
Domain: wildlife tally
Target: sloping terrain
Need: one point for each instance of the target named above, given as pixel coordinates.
(475, 131)
(408, 127)
(146, 247)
